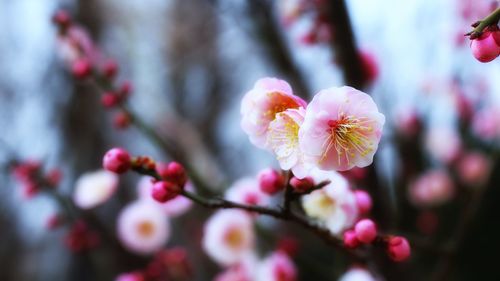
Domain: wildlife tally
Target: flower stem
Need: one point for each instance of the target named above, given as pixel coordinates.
(491, 19)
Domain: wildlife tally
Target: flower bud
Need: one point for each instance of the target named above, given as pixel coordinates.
(109, 99)
(109, 69)
(117, 160)
(81, 68)
(366, 231)
(62, 19)
(164, 190)
(398, 248)
(364, 201)
(350, 239)
(172, 172)
(485, 48)
(122, 120)
(302, 185)
(270, 181)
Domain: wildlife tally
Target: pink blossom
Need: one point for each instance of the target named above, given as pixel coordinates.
(341, 129)
(334, 205)
(243, 271)
(407, 121)
(172, 208)
(277, 267)
(432, 188)
(130, 276)
(283, 140)
(93, 189)
(143, 227)
(260, 105)
(229, 236)
(443, 144)
(247, 191)
(357, 274)
(486, 123)
(474, 168)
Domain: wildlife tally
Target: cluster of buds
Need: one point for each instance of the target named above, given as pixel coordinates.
(86, 63)
(172, 176)
(81, 238)
(365, 232)
(33, 179)
(168, 264)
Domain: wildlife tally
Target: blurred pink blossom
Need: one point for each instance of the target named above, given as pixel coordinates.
(432, 188)
(247, 191)
(142, 227)
(444, 144)
(334, 205)
(474, 168)
(229, 236)
(93, 189)
(277, 267)
(357, 274)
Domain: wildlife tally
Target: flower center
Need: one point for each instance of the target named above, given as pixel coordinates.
(349, 136)
(234, 238)
(145, 228)
(280, 102)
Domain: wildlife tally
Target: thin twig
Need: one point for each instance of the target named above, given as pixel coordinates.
(491, 19)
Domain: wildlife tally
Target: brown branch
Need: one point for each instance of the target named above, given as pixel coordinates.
(270, 35)
(344, 43)
(282, 214)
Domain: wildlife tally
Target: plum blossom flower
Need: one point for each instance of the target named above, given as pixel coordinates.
(260, 105)
(474, 168)
(283, 140)
(486, 123)
(172, 208)
(334, 205)
(229, 237)
(143, 227)
(247, 191)
(243, 271)
(432, 188)
(443, 143)
(342, 128)
(277, 267)
(357, 274)
(95, 188)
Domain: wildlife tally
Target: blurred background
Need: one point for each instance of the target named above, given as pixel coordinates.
(190, 63)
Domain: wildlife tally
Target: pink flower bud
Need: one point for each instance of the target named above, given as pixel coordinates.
(485, 48)
(288, 245)
(270, 181)
(366, 231)
(109, 69)
(81, 68)
(398, 248)
(125, 89)
(122, 120)
(109, 99)
(61, 18)
(53, 177)
(172, 172)
(363, 200)
(163, 191)
(117, 160)
(302, 185)
(350, 239)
